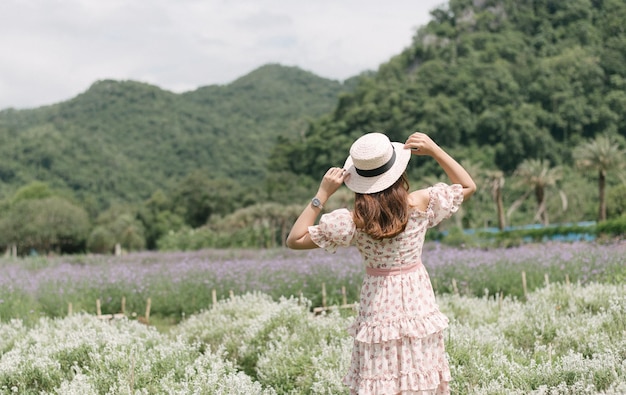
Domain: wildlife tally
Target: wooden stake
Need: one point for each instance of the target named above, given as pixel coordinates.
(344, 298)
(214, 297)
(323, 294)
(231, 293)
(69, 308)
(454, 287)
(123, 304)
(98, 310)
(148, 305)
(546, 278)
(524, 285)
(567, 280)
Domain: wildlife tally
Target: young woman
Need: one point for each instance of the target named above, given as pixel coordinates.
(398, 333)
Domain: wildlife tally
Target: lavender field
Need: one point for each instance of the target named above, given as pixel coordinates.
(180, 284)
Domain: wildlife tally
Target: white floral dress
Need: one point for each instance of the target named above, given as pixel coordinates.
(398, 333)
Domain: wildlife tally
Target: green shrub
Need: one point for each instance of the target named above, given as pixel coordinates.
(613, 227)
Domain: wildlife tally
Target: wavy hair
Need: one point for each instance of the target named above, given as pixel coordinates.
(383, 214)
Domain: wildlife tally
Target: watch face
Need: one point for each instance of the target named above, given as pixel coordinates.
(316, 202)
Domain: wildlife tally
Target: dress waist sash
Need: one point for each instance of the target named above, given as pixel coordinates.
(394, 271)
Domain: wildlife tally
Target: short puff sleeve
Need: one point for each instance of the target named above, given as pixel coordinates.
(445, 200)
(335, 229)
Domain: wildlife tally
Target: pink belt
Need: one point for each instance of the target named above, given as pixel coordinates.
(394, 271)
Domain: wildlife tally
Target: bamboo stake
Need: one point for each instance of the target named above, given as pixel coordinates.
(124, 305)
(343, 295)
(214, 297)
(524, 285)
(148, 305)
(567, 280)
(323, 294)
(69, 308)
(454, 287)
(98, 310)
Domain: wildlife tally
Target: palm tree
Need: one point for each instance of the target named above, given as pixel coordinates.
(538, 176)
(602, 154)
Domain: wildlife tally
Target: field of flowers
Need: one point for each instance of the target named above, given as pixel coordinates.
(180, 284)
(564, 337)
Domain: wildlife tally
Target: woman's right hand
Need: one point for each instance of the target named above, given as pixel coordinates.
(334, 177)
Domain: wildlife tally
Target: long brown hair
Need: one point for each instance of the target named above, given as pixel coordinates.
(383, 214)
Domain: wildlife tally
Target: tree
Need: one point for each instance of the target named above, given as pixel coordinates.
(158, 218)
(538, 176)
(496, 183)
(118, 225)
(34, 190)
(45, 225)
(603, 155)
(200, 197)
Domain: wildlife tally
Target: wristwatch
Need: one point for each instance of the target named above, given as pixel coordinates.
(315, 202)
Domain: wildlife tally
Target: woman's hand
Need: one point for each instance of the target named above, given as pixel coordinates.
(299, 237)
(421, 144)
(332, 180)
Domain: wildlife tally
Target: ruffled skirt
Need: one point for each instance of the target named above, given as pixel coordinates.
(398, 338)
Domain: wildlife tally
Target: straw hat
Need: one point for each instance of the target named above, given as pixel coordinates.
(375, 163)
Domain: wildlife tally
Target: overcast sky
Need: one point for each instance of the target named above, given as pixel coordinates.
(52, 50)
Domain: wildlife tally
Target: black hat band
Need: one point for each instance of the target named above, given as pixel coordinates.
(379, 170)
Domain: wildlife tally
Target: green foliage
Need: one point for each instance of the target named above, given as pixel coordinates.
(118, 225)
(502, 81)
(616, 201)
(123, 140)
(44, 225)
(613, 227)
(159, 216)
(34, 190)
(263, 225)
(101, 240)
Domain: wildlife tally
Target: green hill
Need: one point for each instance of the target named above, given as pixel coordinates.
(122, 140)
(498, 81)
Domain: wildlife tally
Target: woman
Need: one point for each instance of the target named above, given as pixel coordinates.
(398, 333)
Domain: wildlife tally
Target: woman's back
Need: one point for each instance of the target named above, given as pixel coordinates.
(338, 229)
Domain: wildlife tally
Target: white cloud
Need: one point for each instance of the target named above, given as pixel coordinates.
(54, 49)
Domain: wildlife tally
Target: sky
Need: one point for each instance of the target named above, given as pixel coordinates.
(52, 50)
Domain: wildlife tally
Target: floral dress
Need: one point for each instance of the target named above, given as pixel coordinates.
(398, 333)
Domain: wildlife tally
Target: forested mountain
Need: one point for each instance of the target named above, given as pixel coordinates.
(497, 81)
(123, 140)
(530, 96)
